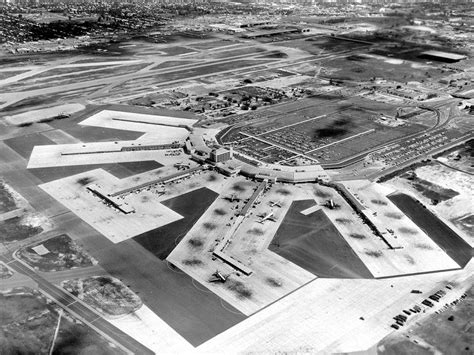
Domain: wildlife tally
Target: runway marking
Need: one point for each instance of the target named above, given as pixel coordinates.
(92, 321)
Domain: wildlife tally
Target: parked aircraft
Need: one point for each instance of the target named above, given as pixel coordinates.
(218, 277)
(232, 198)
(275, 203)
(182, 166)
(331, 204)
(267, 217)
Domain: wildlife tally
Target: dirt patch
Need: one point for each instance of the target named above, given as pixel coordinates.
(192, 262)
(195, 243)
(357, 236)
(394, 215)
(374, 253)
(84, 181)
(410, 260)
(322, 194)
(238, 188)
(209, 226)
(423, 246)
(408, 230)
(211, 178)
(239, 288)
(343, 220)
(283, 192)
(220, 212)
(273, 282)
(255, 231)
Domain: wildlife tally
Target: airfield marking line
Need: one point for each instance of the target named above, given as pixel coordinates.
(282, 63)
(168, 265)
(197, 288)
(96, 319)
(60, 214)
(227, 309)
(342, 140)
(277, 145)
(284, 296)
(292, 124)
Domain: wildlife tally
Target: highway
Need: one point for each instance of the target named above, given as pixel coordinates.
(80, 310)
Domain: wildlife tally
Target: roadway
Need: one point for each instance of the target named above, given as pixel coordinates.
(79, 309)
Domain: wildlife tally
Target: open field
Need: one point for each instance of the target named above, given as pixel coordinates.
(24, 145)
(313, 243)
(161, 241)
(29, 322)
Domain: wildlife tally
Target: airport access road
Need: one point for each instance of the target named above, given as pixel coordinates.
(80, 310)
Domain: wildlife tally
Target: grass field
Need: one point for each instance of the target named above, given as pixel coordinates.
(105, 294)
(212, 44)
(437, 230)
(63, 254)
(323, 44)
(176, 50)
(161, 241)
(15, 229)
(10, 73)
(313, 243)
(7, 202)
(207, 69)
(362, 68)
(29, 322)
(24, 145)
(172, 63)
